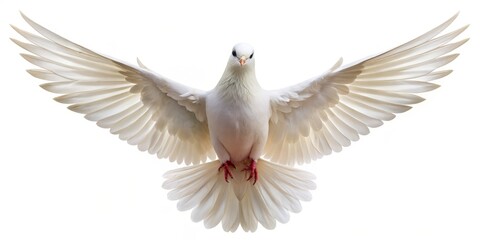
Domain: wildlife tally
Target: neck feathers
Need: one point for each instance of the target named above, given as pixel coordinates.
(238, 83)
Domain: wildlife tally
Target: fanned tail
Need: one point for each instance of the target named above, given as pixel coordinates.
(277, 192)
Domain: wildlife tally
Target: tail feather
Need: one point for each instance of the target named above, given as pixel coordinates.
(215, 214)
(278, 191)
(249, 221)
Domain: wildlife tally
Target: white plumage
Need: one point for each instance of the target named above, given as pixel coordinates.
(238, 124)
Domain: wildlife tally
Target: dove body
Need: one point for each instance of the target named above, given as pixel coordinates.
(238, 110)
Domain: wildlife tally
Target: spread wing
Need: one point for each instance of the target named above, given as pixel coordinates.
(144, 108)
(328, 112)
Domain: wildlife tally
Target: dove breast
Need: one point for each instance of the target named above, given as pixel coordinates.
(238, 123)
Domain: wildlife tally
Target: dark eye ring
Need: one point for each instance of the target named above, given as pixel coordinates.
(234, 53)
(251, 56)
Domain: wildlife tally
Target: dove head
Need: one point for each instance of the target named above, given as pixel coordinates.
(240, 68)
(242, 56)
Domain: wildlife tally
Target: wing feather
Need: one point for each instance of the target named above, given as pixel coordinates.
(144, 108)
(328, 112)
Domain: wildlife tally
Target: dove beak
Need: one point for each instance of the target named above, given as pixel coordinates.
(242, 60)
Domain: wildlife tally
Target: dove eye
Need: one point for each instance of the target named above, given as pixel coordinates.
(251, 56)
(234, 53)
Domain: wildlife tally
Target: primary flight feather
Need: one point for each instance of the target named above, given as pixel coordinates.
(238, 124)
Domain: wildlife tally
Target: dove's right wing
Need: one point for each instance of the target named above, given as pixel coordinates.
(326, 113)
(160, 116)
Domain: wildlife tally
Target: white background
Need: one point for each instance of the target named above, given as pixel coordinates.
(417, 177)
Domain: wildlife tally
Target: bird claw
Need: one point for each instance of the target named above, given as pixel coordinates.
(252, 168)
(226, 169)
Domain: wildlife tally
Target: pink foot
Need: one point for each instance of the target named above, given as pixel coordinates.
(226, 169)
(252, 168)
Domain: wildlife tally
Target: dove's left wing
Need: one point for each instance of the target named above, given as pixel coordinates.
(326, 113)
(159, 115)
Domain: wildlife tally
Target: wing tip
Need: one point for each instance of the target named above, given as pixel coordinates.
(18, 30)
(140, 64)
(27, 19)
(27, 56)
(16, 41)
(463, 41)
(447, 72)
(75, 108)
(61, 99)
(32, 72)
(45, 87)
(433, 86)
(456, 14)
(460, 30)
(13, 26)
(337, 64)
(452, 18)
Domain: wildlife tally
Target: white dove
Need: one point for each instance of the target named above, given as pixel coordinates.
(238, 124)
